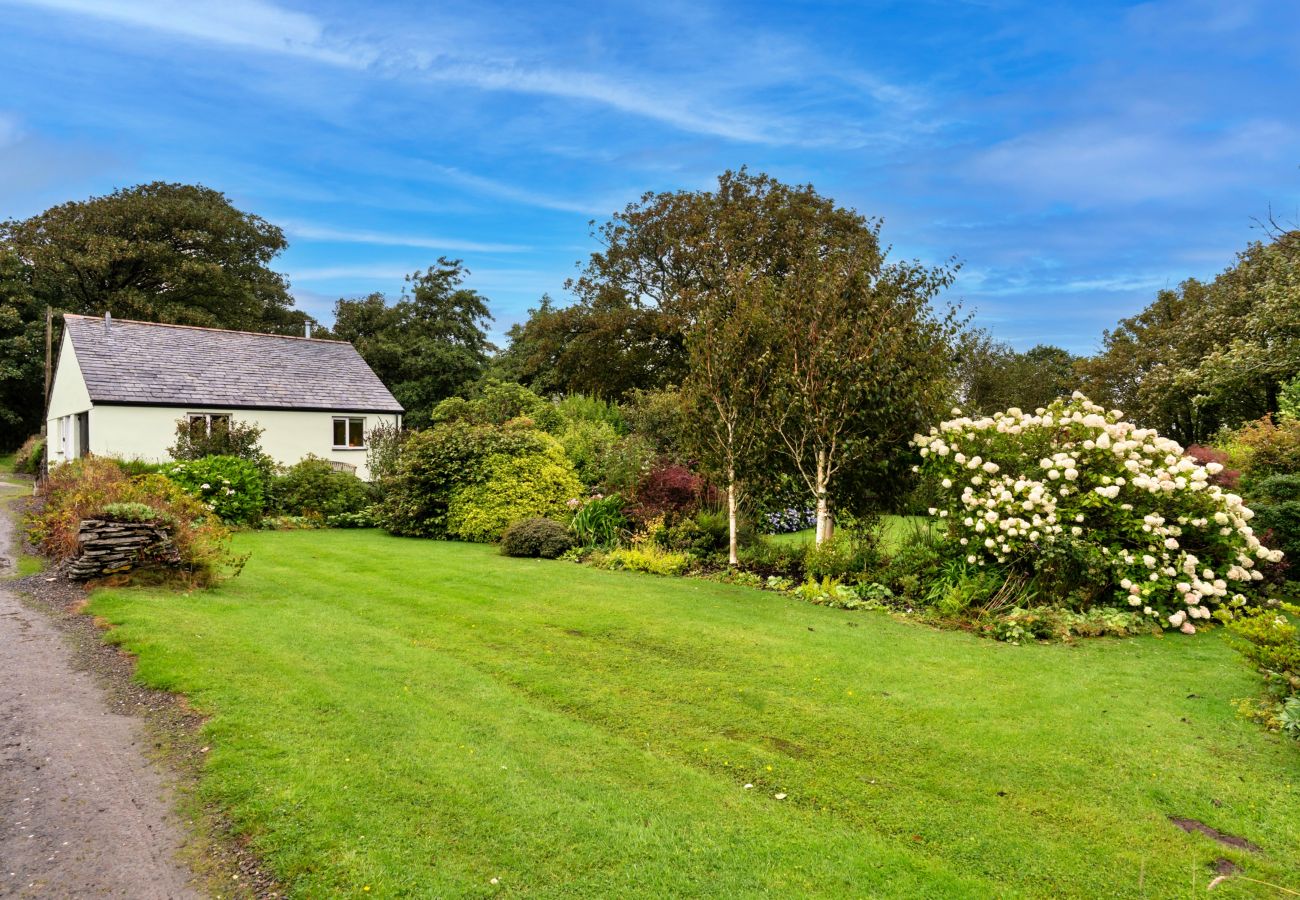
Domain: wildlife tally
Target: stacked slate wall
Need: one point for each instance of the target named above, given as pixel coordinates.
(112, 548)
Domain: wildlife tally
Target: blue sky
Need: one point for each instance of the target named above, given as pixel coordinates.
(1076, 157)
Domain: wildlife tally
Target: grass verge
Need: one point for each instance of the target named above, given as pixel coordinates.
(420, 718)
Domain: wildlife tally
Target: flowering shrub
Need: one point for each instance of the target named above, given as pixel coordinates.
(1224, 477)
(785, 521)
(229, 486)
(1114, 513)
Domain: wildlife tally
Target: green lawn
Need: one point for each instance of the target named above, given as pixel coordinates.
(893, 530)
(7, 462)
(422, 717)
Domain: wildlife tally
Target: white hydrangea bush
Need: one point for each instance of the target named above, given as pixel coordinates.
(1075, 486)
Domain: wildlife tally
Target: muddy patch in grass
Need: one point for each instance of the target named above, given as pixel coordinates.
(1214, 834)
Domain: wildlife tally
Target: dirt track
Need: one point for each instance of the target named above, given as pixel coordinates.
(82, 812)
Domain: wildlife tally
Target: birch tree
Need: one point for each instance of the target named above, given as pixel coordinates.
(731, 357)
(862, 359)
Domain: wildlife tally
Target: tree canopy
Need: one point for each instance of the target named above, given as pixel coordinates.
(430, 345)
(157, 252)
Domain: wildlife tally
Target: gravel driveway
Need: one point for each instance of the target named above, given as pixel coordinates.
(82, 812)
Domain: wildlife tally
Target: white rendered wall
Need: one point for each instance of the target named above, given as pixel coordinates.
(145, 432)
(68, 396)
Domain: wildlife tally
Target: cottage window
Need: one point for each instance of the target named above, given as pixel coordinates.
(349, 434)
(205, 422)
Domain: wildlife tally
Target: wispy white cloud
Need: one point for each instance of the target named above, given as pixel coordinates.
(251, 24)
(1101, 163)
(261, 26)
(339, 235)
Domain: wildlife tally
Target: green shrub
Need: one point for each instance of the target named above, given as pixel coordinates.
(586, 408)
(500, 402)
(1265, 447)
(832, 592)
(914, 565)
(313, 487)
(229, 486)
(384, 451)
(132, 511)
(87, 488)
(137, 466)
(1051, 623)
(536, 537)
(1271, 643)
(847, 554)
(772, 559)
(646, 557)
(599, 521)
(27, 461)
(513, 487)
(435, 463)
(589, 446)
(195, 440)
(359, 519)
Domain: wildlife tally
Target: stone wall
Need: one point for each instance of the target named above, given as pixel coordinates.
(112, 548)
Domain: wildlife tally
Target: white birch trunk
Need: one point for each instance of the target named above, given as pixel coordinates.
(732, 542)
(823, 504)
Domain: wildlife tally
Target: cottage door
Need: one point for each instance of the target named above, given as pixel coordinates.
(83, 433)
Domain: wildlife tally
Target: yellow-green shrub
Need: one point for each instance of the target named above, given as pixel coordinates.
(512, 487)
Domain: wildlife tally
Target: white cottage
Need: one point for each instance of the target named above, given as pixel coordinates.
(121, 386)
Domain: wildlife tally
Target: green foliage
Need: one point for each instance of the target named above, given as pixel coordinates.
(429, 345)
(658, 417)
(132, 511)
(1276, 502)
(590, 445)
(434, 463)
(384, 451)
(499, 402)
(1208, 354)
(511, 487)
(91, 487)
(832, 592)
(195, 440)
(156, 252)
(27, 461)
(849, 554)
(536, 537)
(590, 408)
(1271, 642)
(1264, 447)
(229, 486)
(645, 557)
(1052, 623)
(703, 534)
(991, 375)
(602, 347)
(599, 521)
(313, 487)
(137, 466)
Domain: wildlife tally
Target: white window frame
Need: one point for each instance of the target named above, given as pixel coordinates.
(207, 418)
(347, 432)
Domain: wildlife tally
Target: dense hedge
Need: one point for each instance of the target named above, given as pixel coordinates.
(449, 468)
(314, 488)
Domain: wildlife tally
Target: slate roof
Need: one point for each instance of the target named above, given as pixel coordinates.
(146, 363)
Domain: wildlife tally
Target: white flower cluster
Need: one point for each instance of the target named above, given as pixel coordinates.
(1074, 476)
